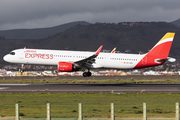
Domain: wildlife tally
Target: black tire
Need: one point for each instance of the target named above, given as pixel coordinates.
(89, 74)
(21, 70)
(85, 74)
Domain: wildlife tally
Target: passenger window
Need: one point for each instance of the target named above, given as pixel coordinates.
(12, 53)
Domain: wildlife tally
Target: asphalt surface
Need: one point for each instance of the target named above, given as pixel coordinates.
(127, 87)
(93, 77)
(116, 88)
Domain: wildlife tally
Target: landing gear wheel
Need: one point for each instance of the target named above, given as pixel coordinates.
(21, 70)
(87, 74)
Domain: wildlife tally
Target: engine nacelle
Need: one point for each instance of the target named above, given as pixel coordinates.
(67, 67)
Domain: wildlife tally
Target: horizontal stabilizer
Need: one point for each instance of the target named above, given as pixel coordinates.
(171, 59)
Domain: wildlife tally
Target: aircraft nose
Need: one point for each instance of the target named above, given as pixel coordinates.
(5, 58)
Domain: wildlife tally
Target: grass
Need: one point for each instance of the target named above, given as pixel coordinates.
(65, 105)
(75, 81)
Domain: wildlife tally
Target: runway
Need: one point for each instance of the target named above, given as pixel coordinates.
(116, 88)
(92, 77)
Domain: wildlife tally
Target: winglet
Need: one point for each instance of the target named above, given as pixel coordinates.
(113, 51)
(99, 50)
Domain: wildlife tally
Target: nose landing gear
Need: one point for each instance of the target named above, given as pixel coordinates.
(22, 69)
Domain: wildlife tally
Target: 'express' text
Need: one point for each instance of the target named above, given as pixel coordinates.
(39, 55)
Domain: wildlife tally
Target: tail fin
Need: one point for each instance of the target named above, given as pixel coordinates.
(113, 51)
(159, 53)
(162, 48)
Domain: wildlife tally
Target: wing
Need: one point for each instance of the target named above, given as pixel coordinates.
(87, 62)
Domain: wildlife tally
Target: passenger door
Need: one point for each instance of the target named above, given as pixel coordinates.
(21, 54)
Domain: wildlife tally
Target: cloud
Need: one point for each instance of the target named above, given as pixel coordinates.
(47, 13)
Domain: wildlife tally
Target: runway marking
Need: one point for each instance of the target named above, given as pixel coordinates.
(13, 84)
(2, 88)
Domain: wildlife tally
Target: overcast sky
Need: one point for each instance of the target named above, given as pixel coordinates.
(47, 13)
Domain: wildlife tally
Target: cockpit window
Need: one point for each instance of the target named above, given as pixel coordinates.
(12, 53)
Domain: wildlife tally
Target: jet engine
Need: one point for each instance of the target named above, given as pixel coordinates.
(67, 67)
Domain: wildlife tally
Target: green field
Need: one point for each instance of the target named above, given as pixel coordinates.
(65, 105)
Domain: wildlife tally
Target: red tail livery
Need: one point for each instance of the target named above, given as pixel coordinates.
(159, 53)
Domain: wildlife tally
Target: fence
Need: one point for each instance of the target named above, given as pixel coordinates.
(80, 115)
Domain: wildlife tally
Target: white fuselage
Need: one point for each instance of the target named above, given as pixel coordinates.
(53, 57)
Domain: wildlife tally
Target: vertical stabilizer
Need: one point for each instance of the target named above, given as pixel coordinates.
(113, 51)
(162, 48)
(159, 53)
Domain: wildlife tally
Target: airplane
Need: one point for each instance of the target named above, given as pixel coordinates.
(69, 61)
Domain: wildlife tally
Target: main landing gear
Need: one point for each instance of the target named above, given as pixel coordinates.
(87, 74)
